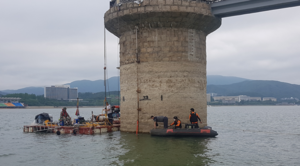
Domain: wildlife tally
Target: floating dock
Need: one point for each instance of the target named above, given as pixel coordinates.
(71, 129)
(87, 128)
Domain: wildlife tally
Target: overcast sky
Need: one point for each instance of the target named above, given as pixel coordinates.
(52, 42)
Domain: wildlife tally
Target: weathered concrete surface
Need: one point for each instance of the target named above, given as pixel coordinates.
(171, 41)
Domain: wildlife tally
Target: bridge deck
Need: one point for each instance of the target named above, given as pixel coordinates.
(227, 8)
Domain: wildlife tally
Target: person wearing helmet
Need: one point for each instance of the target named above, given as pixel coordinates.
(160, 119)
(194, 118)
(176, 122)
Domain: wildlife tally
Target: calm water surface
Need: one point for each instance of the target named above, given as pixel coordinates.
(256, 135)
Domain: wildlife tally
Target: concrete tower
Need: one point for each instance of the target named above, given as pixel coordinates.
(162, 59)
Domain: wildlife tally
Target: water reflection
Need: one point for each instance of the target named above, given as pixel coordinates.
(247, 136)
(146, 150)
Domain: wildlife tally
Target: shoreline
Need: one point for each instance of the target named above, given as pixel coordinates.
(55, 107)
(59, 107)
(247, 105)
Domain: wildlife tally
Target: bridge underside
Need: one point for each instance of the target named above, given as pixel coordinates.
(229, 8)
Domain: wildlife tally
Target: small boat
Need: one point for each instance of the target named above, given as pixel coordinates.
(186, 132)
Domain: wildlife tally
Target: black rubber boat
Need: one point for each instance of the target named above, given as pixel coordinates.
(198, 132)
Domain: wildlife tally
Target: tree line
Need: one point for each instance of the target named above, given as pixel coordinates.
(89, 99)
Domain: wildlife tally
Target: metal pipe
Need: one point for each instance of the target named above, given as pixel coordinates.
(137, 83)
(136, 45)
(105, 67)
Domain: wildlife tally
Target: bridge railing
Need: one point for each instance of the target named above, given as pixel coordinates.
(228, 8)
(117, 2)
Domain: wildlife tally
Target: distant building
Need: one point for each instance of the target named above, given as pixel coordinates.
(9, 99)
(233, 99)
(213, 94)
(61, 92)
(247, 98)
(269, 98)
(291, 98)
(208, 98)
(226, 98)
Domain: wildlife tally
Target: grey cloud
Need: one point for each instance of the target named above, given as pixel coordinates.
(55, 42)
(257, 46)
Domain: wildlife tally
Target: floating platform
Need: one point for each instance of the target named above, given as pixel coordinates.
(198, 132)
(77, 129)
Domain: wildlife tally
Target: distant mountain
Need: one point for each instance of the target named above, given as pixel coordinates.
(215, 84)
(83, 86)
(2, 93)
(257, 89)
(96, 86)
(29, 90)
(223, 80)
(113, 83)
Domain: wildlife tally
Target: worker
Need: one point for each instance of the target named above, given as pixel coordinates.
(176, 122)
(109, 112)
(163, 119)
(65, 117)
(194, 118)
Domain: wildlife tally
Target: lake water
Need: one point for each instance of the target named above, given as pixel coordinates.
(248, 135)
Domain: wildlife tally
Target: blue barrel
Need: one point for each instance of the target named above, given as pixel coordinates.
(76, 120)
(62, 123)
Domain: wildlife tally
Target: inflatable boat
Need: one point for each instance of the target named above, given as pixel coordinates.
(186, 132)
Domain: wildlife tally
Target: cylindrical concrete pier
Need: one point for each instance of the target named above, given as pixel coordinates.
(163, 59)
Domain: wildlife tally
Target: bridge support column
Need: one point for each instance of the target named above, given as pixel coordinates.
(163, 57)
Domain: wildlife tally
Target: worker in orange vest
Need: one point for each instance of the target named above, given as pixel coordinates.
(194, 118)
(176, 122)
